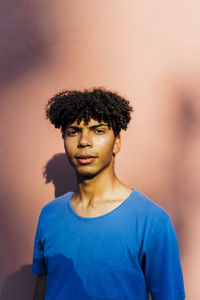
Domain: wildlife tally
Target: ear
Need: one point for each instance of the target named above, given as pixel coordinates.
(117, 145)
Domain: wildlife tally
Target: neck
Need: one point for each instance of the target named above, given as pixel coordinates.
(99, 187)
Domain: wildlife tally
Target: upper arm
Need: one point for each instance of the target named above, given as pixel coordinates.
(162, 268)
(40, 287)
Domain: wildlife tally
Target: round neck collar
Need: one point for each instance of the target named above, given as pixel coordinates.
(101, 216)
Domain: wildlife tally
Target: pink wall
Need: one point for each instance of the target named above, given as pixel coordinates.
(147, 51)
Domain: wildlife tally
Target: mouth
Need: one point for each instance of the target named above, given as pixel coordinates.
(85, 159)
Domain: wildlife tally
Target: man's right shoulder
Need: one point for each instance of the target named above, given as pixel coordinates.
(55, 205)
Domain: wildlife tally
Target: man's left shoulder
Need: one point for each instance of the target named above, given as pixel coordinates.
(148, 208)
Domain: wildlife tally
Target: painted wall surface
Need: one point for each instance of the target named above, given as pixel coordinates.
(147, 51)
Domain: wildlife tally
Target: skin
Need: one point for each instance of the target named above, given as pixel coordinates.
(98, 188)
(40, 287)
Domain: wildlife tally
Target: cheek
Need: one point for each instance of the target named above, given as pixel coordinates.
(69, 144)
(104, 146)
(68, 149)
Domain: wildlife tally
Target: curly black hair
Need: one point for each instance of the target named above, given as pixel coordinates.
(99, 104)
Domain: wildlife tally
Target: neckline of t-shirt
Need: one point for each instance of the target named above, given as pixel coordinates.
(90, 219)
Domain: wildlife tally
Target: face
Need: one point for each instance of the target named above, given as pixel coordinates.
(90, 148)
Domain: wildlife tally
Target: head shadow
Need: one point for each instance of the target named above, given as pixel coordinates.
(59, 171)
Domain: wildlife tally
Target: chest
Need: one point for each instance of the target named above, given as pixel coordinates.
(111, 238)
(101, 254)
(95, 210)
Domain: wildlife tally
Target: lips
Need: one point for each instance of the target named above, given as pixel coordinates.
(85, 159)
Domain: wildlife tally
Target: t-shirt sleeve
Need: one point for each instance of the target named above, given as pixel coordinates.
(38, 265)
(162, 268)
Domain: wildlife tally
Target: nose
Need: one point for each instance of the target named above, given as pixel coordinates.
(85, 140)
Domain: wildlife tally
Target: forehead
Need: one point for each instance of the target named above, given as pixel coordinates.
(91, 122)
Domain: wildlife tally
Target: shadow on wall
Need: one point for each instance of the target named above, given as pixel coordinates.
(26, 32)
(186, 134)
(60, 173)
(182, 177)
(19, 285)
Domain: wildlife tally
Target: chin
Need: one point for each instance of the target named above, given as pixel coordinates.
(87, 174)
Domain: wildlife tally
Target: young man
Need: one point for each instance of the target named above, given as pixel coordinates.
(102, 240)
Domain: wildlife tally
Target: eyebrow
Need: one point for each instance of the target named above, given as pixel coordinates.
(91, 127)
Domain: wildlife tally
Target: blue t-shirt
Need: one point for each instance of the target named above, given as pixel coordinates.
(122, 255)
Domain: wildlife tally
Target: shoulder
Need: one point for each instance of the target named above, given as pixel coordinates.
(144, 206)
(55, 207)
(155, 223)
(146, 210)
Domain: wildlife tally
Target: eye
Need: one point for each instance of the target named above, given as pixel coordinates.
(100, 131)
(71, 133)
